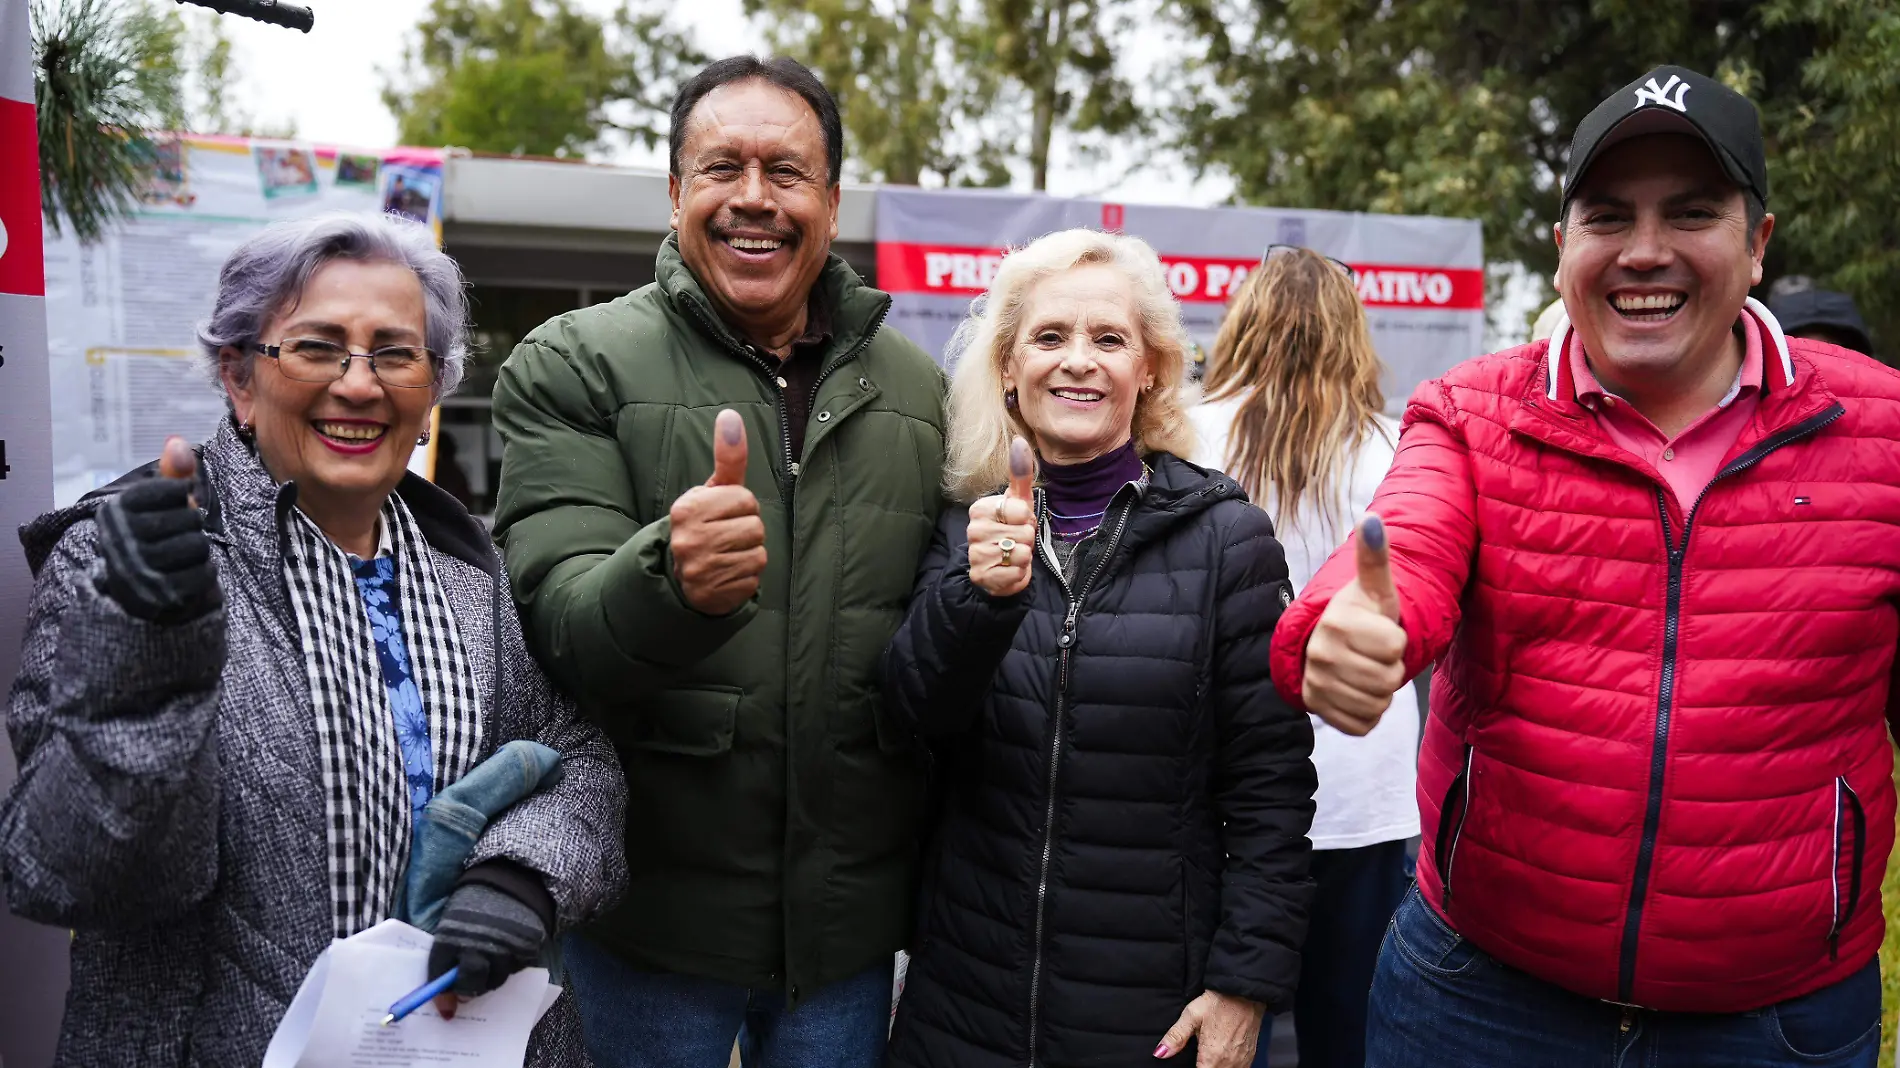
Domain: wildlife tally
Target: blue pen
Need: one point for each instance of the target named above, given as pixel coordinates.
(421, 996)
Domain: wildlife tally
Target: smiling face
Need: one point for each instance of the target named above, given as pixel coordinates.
(1656, 260)
(1079, 363)
(346, 443)
(754, 205)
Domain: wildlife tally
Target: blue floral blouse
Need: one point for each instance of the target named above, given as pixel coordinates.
(376, 581)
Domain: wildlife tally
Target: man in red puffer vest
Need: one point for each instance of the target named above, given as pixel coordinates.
(1657, 559)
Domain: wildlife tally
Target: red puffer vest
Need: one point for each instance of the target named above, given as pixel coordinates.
(1657, 769)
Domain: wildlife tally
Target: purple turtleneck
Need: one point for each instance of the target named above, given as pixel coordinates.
(1079, 494)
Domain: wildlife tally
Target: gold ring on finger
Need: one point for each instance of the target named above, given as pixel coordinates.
(1008, 545)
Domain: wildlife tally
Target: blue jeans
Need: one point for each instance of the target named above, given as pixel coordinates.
(1355, 893)
(1439, 1000)
(636, 1019)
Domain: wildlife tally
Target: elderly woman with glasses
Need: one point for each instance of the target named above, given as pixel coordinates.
(1121, 869)
(255, 673)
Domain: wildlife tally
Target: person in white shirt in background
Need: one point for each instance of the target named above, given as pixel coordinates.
(1547, 320)
(1293, 412)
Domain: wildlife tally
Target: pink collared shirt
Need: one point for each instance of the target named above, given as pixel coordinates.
(1690, 460)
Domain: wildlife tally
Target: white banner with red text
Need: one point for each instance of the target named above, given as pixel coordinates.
(1421, 278)
(122, 314)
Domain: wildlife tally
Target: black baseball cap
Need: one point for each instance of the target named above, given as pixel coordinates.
(1675, 100)
(1807, 309)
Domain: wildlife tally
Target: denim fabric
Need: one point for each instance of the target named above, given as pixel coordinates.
(1440, 1002)
(446, 832)
(376, 583)
(1355, 894)
(636, 1019)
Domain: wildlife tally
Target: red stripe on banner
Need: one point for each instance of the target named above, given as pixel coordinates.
(22, 260)
(964, 271)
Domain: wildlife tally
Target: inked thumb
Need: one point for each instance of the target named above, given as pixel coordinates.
(729, 453)
(1374, 557)
(1022, 471)
(176, 460)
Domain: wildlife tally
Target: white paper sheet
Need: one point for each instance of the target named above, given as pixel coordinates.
(335, 1021)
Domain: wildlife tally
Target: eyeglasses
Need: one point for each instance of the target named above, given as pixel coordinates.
(1283, 250)
(312, 359)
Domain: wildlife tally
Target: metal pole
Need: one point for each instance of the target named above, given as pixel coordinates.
(32, 957)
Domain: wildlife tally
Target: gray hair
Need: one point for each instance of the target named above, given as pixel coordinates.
(267, 274)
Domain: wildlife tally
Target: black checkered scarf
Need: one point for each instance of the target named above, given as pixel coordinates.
(366, 796)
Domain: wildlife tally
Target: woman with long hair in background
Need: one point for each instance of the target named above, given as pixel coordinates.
(1292, 411)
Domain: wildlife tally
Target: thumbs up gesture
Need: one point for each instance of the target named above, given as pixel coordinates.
(1002, 531)
(718, 539)
(1355, 660)
(158, 564)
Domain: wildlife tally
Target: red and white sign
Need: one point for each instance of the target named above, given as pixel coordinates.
(956, 271)
(22, 264)
(1420, 279)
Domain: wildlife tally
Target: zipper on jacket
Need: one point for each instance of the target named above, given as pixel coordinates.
(1450, 833)
(1065, 644)
(1845, 797)
(792, 463)
(870, 334)
(750, 354)
(1666, 690)
(788, 471)
(788, 464)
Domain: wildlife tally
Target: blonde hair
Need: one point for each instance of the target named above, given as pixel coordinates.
(981, 424)
(1296, 351)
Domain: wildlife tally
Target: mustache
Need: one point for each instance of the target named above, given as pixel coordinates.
(722, 229)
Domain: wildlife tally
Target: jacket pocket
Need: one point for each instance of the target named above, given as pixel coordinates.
(1428, 942)
(1450, 830)
(695, 722)
(1847, 855)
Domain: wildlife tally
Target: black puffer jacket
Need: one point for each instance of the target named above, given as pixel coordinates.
(1073, 907)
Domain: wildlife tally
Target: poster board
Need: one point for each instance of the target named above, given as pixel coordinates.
(122, 314)
(1421, 278)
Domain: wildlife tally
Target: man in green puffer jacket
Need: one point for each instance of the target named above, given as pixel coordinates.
(724, 622)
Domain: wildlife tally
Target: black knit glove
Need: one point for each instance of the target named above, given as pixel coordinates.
(489, 934)
(158, 560)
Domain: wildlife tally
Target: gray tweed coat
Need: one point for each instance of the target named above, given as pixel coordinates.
(169, 807)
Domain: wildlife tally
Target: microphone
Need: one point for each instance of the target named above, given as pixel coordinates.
(275, 12)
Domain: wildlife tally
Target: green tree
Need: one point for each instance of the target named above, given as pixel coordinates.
(1061, 56)
(102, 78)
(106, 77)
(538, 77)
(1834, 151)
(908, 83)
(959, 89)
(1462, 108)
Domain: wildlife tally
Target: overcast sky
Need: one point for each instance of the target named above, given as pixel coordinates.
(330, 82)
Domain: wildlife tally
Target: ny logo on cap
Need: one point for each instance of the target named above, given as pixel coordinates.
(1651, 93)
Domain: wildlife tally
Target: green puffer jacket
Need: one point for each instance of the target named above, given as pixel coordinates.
(772, 820)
